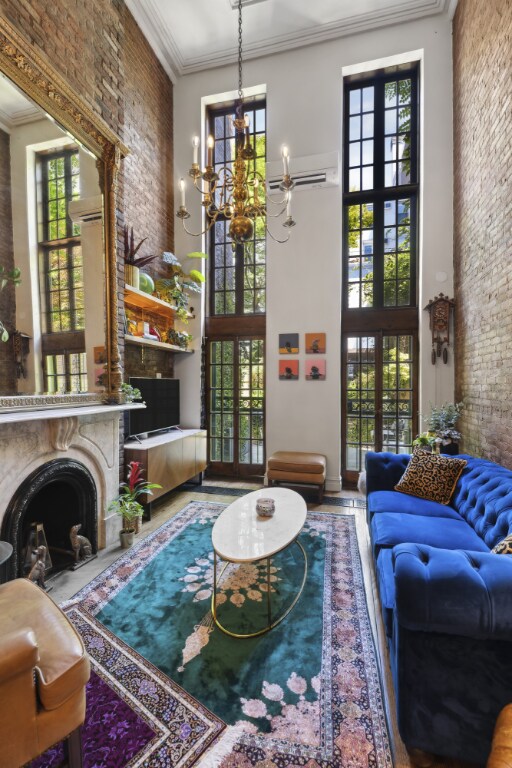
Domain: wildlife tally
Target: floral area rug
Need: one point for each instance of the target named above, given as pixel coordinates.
(135, 715)
(307, 693)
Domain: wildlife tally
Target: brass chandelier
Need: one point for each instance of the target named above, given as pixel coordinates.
(236, 191)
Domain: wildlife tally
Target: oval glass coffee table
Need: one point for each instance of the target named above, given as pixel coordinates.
(240, 535)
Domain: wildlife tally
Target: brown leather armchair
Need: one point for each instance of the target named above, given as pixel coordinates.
(43, 672)
(501, 751)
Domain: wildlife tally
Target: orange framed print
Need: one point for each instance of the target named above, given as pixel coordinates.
(315, 343)
(315, 369)
(288, 370)
(288, 343)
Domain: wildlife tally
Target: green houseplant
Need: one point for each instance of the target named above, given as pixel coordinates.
(126, 503)
(442, 433)
(179, 284)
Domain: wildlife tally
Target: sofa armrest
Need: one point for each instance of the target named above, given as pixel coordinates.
(384, 470)
(455, 592)
(18, 654)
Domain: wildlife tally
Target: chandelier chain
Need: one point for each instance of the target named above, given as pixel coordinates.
(240, 89)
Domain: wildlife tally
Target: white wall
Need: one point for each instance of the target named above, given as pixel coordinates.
(304, 111)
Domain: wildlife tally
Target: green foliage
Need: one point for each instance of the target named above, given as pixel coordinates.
(176, 287)
(443, 419)
(126, 503)
(130, 393)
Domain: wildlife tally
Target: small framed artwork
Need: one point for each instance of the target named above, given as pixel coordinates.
(288, 343)
(315, 343)
(100, 355)
(315, 369)
(288, 370)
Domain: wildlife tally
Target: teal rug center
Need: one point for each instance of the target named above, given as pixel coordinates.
(164, 612)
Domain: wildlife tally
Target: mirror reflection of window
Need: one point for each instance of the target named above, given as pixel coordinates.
(61, 271)
(51, 229)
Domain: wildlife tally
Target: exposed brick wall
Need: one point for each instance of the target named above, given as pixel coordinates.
(98, 48)
(482, 224)
(7, 306)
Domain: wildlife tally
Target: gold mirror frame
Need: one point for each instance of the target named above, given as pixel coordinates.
(27, 69)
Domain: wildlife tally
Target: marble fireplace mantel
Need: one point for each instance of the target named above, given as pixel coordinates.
(89, 434)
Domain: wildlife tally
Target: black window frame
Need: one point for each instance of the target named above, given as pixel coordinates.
(379, 194)
(239, 288)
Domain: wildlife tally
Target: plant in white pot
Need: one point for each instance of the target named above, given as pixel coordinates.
(127, 504)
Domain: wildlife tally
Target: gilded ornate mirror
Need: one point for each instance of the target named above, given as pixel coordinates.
(58, 183)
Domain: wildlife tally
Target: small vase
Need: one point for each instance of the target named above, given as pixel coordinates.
(131, 275)
(126, 539)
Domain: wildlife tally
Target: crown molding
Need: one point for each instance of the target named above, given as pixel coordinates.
(29, 114)
(167, 50)
(157, 34)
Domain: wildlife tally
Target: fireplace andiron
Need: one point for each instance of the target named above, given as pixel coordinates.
(81, 545)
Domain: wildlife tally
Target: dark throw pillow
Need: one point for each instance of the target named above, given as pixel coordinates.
(503, 547)
(430, 476)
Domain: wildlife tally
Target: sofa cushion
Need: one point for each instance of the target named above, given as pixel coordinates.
(386, 582)
(389, 529)
(391, 501)
(431, 476)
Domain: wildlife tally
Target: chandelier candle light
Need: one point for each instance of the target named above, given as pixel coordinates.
(236, 192)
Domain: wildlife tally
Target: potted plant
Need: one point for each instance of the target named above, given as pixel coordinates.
(132, 262)
(442, 424)
(425, 441)
(130, 393)
(127, 504)
(174, 288)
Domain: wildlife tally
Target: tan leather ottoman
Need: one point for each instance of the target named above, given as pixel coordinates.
(297, 468)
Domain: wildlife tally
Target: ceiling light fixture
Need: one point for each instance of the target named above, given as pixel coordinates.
(236, 191)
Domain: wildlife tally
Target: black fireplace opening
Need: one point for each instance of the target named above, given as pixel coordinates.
(48, 504)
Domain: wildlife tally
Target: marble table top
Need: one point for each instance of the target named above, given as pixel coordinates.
(240, 535)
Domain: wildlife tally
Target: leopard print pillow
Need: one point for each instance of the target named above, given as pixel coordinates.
(431, 476)
(503, 547)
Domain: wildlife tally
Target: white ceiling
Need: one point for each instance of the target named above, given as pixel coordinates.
(190, 35)
(15, 107)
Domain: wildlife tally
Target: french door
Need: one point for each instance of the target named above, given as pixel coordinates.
(380, 403)
(236, 406)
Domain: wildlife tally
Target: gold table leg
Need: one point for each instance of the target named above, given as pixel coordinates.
(271, 624)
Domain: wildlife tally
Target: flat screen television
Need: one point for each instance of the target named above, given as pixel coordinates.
(162, 411)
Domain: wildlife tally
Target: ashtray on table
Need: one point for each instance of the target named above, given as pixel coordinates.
(265, 507)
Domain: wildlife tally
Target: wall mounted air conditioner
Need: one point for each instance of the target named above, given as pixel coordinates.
(86, 209)
(311, 172)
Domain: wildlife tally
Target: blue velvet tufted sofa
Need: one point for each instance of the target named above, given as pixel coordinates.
(446, 603)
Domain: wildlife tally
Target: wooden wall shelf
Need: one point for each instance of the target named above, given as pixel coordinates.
(141, 341)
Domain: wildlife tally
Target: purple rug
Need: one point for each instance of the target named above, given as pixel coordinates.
(112, 735)
(135, 715)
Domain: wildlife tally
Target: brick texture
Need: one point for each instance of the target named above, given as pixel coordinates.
(98, 48)
(482, 35)
(7, 297)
